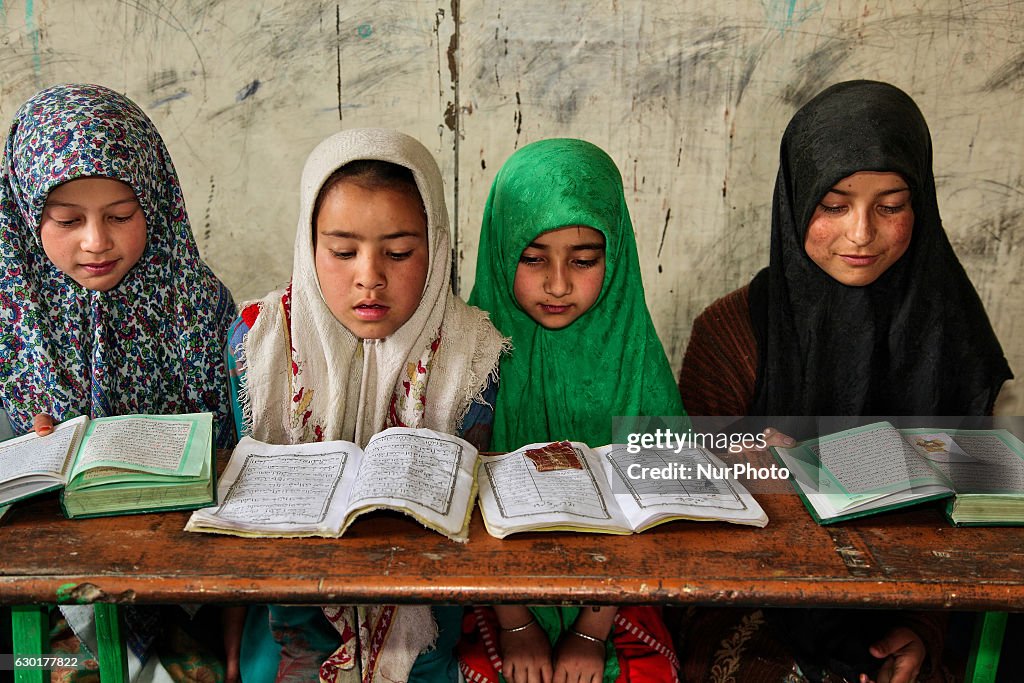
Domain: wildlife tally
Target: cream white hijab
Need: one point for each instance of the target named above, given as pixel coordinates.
(307, 378)
(314, 380)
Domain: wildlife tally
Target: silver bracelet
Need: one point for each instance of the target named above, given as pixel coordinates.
(584, 636)
(517, 629)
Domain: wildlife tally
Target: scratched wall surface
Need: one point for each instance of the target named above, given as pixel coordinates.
(690, 98)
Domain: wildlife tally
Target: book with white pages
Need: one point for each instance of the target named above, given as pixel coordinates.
(877, 467)
(319, 489)
(569, 486)
(114, 465)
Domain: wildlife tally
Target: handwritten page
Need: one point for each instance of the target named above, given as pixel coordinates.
(406, 467)
(688, 488)
(699, 490)
(137, 443)
(31, 454)
(282, 490)
(995, 464)
(516, 496)
(873, 460)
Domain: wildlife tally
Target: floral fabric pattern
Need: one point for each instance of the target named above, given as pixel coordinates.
(153, 343)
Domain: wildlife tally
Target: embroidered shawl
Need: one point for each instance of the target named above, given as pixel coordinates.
(307, 378)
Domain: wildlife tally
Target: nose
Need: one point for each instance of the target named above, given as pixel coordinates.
(862, 230)
(370, 272)
(557, 280)
(96, 238)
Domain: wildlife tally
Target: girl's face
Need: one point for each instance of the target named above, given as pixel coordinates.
(94, 230)
(861, 227)
(371, 257)
(560, 275)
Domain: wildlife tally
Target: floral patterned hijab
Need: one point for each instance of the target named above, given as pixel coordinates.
(154, 342)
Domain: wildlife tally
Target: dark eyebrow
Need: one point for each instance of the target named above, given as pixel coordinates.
(352, 236)
(894, 190)
(126, 200)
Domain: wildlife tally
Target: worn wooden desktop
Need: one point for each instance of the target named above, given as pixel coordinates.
(911, 559)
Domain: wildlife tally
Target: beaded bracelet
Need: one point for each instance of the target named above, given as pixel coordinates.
(584, 636)
(517, 629)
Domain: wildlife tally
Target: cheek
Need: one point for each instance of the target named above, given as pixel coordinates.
(820, 236)
(900, 233)
(520, 284)
(412, 279)
(592, 283)
(136, 241)
(328, 271)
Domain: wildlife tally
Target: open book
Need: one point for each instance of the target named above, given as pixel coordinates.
(877, 467)
(114, 465)
(318, 489)
(568, 486)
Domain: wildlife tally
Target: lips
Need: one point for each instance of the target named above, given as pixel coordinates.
(553, 309)
(370, 310)
(858, 260)
(101, 268)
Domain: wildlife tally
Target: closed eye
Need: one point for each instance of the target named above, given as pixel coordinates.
(530, 260)
(400, 255)
(342, 254)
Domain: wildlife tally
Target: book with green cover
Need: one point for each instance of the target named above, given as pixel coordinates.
(877, 467)
(115, 465)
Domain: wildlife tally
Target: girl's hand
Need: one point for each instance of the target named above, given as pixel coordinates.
(42, 424)
(773, 437)
(526, 656)
(579, 660)
(904, 653)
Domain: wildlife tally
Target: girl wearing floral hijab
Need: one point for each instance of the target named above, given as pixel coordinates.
(107, 307)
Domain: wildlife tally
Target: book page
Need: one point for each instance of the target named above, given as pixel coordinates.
(427, 474)
(138, 443)
(514, 493)
(872, 460)
(994, 463)
(403, 466)
(694, 492)
(30, 454)
(281, 488)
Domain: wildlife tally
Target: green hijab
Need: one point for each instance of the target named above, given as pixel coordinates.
(569, 383)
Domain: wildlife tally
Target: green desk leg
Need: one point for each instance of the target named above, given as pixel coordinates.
(988, 640)
(30, 627)
(112, 656)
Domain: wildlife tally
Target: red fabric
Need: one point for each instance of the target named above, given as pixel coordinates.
(249, 314)
(642, 643)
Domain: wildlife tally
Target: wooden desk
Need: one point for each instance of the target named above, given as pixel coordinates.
(911, 559)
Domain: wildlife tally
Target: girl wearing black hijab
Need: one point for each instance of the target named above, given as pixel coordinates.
(863, 309)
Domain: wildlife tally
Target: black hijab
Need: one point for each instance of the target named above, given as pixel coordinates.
(914, 342)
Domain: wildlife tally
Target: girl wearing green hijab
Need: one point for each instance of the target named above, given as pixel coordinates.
(558, 272)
